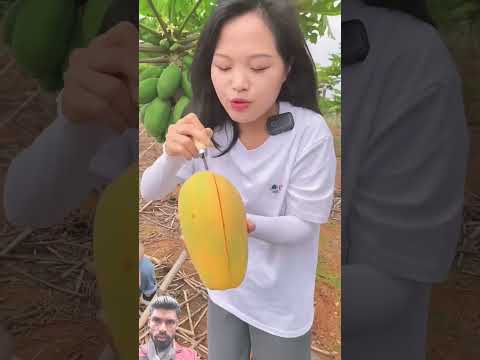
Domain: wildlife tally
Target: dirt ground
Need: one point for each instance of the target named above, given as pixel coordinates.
(24, 113)
(454, 328)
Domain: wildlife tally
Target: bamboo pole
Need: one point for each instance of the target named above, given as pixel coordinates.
(164, 285)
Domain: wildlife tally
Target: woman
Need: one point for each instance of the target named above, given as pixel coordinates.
(405, 147)
(252, 63)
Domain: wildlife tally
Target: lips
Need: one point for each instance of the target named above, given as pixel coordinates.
(240, 104)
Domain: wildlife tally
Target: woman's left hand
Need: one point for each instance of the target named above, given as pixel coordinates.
(250, 226)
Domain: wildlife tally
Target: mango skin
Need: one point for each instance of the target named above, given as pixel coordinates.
(179, 110)
(93, 14)
(151, 72)
(213, 223)
(147, 90)
(156, 118)
(51, 22)
(186, 84)
(115, 250)
(169, 81)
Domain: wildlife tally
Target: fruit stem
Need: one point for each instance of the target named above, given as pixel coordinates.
(157, 60)
(152, 49)
(181, 51)
(160, 20)
(145, 27)
(189, 39)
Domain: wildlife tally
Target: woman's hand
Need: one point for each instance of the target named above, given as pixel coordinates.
(182, 137)
(101, 82)
(250, 226)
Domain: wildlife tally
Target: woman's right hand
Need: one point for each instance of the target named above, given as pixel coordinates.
(185, 136)
(101, 81)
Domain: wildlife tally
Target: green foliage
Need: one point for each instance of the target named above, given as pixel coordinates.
(313, 16)
(4, 5)
(178, 19)
(329, 79)
(453, 12)
(169, 31)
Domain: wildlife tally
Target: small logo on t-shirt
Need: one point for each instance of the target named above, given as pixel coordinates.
(276, 188)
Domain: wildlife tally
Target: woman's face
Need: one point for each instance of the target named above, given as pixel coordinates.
(247, 70)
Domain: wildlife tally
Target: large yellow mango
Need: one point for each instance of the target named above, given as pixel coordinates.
(213, 223)
(115, 249)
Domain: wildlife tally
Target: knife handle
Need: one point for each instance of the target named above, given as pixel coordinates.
(200, 147)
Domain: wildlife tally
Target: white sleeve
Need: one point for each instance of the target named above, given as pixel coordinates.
(161, 178)
(283, 230)
(51, 177)
(312, 183)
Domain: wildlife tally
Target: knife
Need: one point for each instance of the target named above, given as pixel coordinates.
(202, 151)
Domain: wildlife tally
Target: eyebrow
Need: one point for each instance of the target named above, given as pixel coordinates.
(251, 57)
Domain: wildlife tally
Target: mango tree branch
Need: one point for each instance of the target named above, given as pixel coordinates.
(157, 60)
(153, 49)
(189, 39)
(154, 32)
(163, 286)
(160, 20)
(189, 16)
(183, 50)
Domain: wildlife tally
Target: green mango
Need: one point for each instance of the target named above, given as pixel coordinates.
(93, 13)
(175, 47)
(147, 90)
(164, 44)
(153, 71)
(150, 38)
(169, 81)
(179, 110)
(187, 61)
(76, 40)
(186, 84)
(51, 23)
(156, 118)
(142, 68)
(142, 111)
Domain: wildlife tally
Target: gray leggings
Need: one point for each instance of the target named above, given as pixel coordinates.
(230, 338)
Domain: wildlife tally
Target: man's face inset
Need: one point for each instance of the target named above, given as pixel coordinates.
(163, 326)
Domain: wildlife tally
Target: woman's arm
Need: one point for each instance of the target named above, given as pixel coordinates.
(283, 230)
(160, 178)
(50, 177)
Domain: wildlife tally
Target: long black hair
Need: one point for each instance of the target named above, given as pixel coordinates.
(300, 88)
(416, 8)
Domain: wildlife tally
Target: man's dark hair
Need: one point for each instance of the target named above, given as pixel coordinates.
(165, 302)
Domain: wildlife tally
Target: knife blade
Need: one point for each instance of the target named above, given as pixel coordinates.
(203, 156)
(202, 152)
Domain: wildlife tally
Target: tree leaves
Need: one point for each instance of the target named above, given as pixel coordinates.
(313, 14)
(329, 79)
(180, 18)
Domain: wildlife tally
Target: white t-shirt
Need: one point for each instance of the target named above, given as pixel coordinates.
(292, 173)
